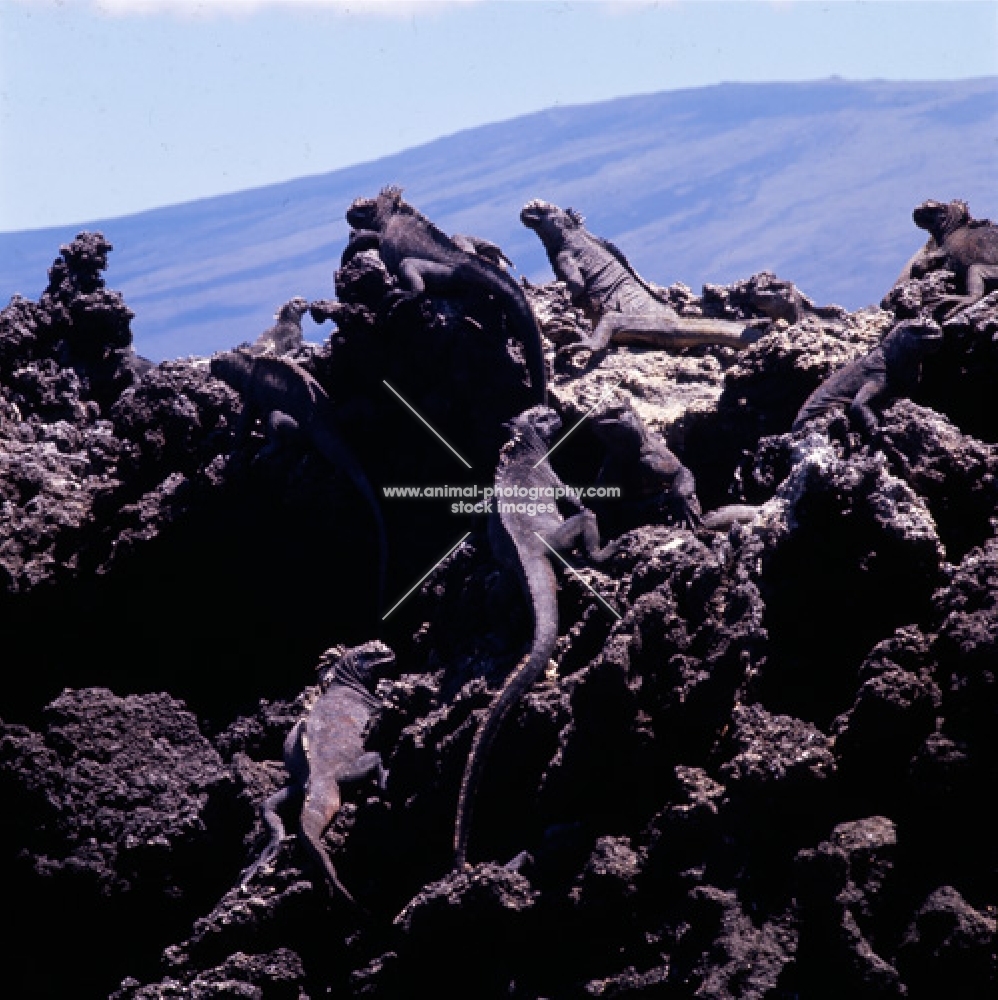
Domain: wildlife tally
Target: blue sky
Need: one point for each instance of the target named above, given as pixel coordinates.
(109, 108)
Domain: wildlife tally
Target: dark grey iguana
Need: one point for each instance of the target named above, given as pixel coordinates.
(891, 369)
(641, 463)
(294, 404)
(967, 247)
(424, 258)
(285, 335)
(524, 542)
(325, 749)
(600, 278)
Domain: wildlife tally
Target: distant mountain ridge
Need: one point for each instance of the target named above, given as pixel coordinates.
(815, 181)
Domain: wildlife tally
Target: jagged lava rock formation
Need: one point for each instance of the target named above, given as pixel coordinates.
(770, 777)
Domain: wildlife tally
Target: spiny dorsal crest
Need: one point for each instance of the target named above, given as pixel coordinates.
(390, 201)
(577, 217)
(328, 662)
(391, 194)
(956, 214)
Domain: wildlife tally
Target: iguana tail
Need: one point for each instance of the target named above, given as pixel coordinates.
(528, 330)
(313, 822)
(542, 586)
(328, 441)
(734, 513)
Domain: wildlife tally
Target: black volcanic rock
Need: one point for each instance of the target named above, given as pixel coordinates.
(843, 883)
(276, 975)
(124, 830)
(949, 947)
(77, 323)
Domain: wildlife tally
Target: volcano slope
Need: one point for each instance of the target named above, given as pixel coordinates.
(761, 768)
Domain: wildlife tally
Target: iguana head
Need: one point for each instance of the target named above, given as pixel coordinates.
(233, 368)
(939, 218)
(912, 339)
(539, 421)
(616, 424)
(292, 311)
(361, 666)
(547, 219)
(373, 213)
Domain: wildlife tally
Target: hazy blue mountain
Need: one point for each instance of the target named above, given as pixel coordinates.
(815, 181)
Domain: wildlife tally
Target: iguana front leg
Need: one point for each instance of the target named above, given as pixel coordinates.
(979, 276)
(416, 275)
(683, 500)
(859, 408)
(280, 428)
(568, 270)
(927, 259)
(281, 431)
(420, 274)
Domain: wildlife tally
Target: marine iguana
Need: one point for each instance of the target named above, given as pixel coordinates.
(285, 335)
(325, 749)
(294, 404)
(524, 542)
(641, 463)
(967, 247)
(891, 369)
(424, 258)
(600, 278)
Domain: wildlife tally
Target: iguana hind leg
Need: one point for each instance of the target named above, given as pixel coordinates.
(367, 765)
(579, 530)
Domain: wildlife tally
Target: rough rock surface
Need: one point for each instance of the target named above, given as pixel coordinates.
(762, 768)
